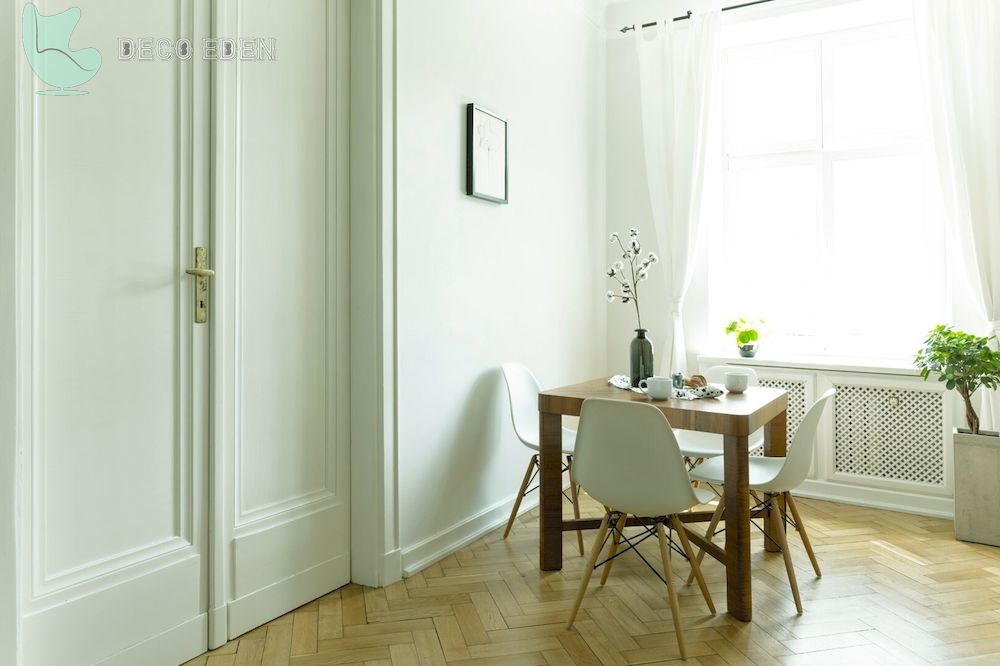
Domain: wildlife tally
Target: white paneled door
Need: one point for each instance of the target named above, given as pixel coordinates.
(180, 482)
(281, 137)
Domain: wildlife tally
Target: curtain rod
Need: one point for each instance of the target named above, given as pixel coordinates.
(688, 15)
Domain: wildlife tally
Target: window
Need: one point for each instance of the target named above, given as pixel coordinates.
(830, 228)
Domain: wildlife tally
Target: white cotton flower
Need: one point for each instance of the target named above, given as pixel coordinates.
(653, 258)
(645, 262)
(624, 299)
(626, 288)
(643, 274)
(614, 237)
(611, 297)
(634, 245)
(612, 272)
(633, 232)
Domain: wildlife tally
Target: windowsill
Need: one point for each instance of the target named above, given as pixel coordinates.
(806, 362)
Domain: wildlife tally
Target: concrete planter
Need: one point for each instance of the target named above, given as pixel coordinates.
(977, 487)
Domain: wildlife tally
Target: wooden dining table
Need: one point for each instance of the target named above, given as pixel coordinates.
(735, 416)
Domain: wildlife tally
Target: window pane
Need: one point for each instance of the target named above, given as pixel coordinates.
(768, 268)
(876, 87)
(888, 276)
(774, 98)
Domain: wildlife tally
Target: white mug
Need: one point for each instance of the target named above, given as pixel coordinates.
(658, 388)
(736, 382)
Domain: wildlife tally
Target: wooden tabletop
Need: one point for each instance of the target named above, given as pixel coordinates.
(729, 414)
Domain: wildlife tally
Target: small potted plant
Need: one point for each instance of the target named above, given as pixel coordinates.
(966, 363)
(747, 334)
(628, 273)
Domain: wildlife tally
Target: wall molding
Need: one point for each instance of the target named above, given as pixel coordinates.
(438, 546)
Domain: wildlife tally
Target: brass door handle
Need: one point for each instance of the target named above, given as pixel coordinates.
(201, 273)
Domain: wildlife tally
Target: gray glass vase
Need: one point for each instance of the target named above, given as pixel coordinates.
(640, 357)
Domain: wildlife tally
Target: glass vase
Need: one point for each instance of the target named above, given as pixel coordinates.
(640, 357)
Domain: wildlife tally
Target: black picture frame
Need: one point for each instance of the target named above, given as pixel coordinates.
(474, 158)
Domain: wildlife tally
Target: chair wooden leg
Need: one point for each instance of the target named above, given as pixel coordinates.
(695, 568)
(574, 493)
(802, 533)
(520, 493)
(615, 540)
(709, 533)
(668, 575)
(595, 552)
(779, 536)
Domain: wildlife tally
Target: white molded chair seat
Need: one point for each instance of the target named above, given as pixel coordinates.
(568, 441)
(763, 472)
(704, 496)
(695, 445)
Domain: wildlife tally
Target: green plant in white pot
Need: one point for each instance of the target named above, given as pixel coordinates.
(966, 363)
(748, 334)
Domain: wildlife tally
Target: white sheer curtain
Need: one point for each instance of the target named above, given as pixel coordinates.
(960, 46)
(677, 65)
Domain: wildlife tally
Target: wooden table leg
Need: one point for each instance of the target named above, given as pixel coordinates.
(775, 444)
(550, 491)
(736, 495)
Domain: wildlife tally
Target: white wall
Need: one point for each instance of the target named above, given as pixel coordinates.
(480, 283)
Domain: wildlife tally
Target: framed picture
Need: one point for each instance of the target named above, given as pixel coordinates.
(486, 155)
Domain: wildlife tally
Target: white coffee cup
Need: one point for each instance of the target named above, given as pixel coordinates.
(737, 382)
(658, 388)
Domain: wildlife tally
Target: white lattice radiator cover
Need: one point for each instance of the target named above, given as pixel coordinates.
(796, 403)
(889, 433)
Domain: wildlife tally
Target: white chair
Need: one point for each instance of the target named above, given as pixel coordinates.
(777, 477)
(699, 446)
(522, 389)
(627, 459)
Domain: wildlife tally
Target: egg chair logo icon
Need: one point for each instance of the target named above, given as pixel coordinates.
(46, 44)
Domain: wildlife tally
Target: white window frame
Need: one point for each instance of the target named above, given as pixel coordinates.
(823, 151)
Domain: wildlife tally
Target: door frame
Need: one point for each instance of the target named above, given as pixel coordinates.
(375, 553)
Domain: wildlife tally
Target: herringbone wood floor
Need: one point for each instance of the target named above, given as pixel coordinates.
(896, 589)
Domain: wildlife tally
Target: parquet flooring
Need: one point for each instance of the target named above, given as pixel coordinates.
(896, 589)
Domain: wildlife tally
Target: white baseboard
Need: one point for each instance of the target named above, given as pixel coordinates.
(434, 548)
(174, 646)
(878, 498)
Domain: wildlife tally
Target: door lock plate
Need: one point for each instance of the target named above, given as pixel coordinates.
(201, 273)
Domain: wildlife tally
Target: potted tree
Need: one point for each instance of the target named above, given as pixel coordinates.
(965, 363)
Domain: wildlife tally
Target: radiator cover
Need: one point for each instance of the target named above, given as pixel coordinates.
(796, 389)
(889, 433)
